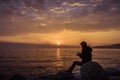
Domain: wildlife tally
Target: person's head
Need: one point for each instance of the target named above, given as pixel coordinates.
(83, 44)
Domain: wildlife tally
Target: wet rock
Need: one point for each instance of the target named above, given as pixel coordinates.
(114, 78)
(64, 76)
(2, 77)
(112, 72)
(17, 77)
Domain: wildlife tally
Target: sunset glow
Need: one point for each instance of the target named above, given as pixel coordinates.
(58, 43)
(72, 21)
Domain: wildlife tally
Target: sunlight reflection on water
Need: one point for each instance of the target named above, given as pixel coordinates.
(34, 61)
(58, 53)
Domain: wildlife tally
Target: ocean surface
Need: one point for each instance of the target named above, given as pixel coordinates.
(49, 60)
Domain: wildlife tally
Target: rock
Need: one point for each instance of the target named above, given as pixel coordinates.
(64, 76)
(17, 77)
(41, 67)
(45, 77)
(114, 78)
(2, 77)
(112, 72)
(92, 71)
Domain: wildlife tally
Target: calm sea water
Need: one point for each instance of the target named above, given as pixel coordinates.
(46, 60)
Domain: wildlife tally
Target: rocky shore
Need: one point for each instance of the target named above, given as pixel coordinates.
(91, 71)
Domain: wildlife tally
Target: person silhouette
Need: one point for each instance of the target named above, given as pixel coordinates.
(85, 55)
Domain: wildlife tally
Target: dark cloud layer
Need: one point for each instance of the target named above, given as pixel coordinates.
(45, 16)
(115, 1)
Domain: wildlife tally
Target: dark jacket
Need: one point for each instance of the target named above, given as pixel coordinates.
(86, 54)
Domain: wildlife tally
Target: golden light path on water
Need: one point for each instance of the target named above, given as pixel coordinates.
(59, 57)
(58, 53)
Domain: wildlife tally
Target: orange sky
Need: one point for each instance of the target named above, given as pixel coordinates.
(67, 38)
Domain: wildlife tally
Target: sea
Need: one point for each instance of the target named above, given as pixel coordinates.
(50, 60)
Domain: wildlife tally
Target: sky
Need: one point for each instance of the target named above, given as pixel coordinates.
(67, 22)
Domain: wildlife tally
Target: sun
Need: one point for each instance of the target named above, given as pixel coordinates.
(58, 42)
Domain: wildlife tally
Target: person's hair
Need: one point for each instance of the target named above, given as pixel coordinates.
(83, 43)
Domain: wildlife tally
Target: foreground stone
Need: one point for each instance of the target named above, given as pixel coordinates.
(92, 71)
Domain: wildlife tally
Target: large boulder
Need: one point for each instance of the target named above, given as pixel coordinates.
(92, 71)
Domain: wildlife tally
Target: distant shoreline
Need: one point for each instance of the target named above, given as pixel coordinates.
(11, 45)
(113, 46)
(104, 48)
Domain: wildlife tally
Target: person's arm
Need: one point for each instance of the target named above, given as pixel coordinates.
(78, 53)
(90, 49)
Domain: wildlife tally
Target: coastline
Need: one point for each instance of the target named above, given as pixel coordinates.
(113, 74)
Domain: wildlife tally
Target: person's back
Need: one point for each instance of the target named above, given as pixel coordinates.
(86, 54)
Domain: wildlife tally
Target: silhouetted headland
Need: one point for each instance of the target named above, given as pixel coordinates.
(113, 46)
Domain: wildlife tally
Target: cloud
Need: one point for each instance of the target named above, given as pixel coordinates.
(115, 1)
(75, 4)
(20, 17)
(58, 10)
